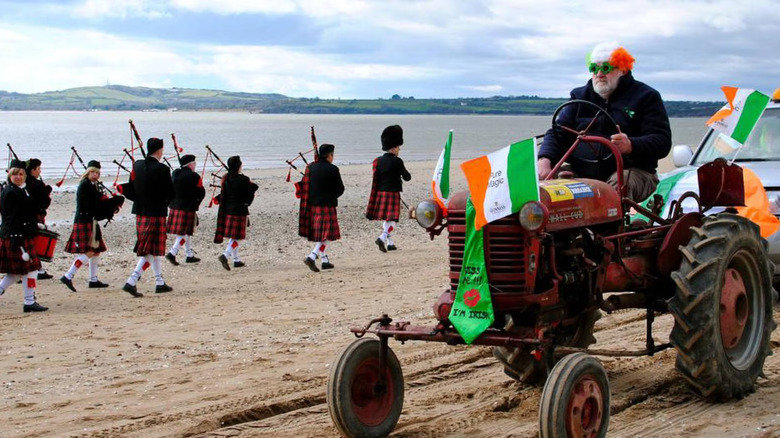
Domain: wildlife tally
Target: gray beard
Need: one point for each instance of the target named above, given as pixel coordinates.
(603, 89)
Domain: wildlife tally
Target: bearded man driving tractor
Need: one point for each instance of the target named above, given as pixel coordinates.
(639, 127)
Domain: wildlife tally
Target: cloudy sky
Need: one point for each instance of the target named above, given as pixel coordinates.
(687, 49)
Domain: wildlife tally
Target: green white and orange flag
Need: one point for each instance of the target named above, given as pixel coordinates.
(472, 310)
(440, 185)
(502, 181)
(738, 117)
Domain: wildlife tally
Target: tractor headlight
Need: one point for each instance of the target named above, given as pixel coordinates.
(533, 215)
(428, 214)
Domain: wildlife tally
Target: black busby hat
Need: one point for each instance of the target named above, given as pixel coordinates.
(325, 150)
(392, 136)
(153, 145)
(186, 159)
(33, 163)
(93, 163)
(234, 163)
(17, 164)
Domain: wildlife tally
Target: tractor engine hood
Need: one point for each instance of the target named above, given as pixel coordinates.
(570, 203)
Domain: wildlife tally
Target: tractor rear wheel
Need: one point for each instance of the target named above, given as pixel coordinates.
(575, 399)
(365, 400)
(722, 307)
(520, 364)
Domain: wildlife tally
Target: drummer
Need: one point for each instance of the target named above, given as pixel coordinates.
(41, 195)
(86, 239)
(18, 259)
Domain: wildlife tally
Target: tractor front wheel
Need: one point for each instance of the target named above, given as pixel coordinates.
(364, 398)
(722, 307)
(575, 399)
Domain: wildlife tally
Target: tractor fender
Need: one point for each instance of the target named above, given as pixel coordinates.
(669, 255)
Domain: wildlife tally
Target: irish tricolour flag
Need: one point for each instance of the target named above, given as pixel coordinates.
(738, 117)
(501, 182)
(440, 185)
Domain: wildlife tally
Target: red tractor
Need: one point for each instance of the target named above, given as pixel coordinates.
(560, 261)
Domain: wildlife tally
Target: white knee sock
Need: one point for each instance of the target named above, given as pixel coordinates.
(28, 284)
(7, 281)
(157, 269)
(94, 261)
(188, 246)
(80, 260)
(142, 265)
(178, 241)
(316, 251)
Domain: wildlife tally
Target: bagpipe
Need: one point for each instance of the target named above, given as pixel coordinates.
(302, 156)
(109, 202)
(215, 176)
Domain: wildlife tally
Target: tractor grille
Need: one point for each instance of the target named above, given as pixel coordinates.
(505, 252)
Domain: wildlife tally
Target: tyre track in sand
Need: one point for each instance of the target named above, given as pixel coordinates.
(462, 391)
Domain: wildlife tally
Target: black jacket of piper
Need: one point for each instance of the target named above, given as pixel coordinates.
(87, 200)
(153, 188)
(639, 111)
(188, 192)
(40, 192)
(237, 194)
(18, 214)
(389, 171)
(325, 184)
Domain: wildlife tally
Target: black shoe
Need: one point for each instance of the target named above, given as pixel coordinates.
(97, 284)
(69, 283)
(223, 260)
(132, 290)
(192, 259)
(162, 288)
(45, 276)
(311, 264)
(34, 307)
(381, 244)
(172, 258)
(239, 264)
(327, 265)
(391, 247)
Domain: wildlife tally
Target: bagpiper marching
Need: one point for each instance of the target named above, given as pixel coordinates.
(183, 218)
(385, 199)
(41, 195)
(236, 195)
(153, 191)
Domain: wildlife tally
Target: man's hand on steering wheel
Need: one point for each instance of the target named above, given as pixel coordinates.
(622, 142)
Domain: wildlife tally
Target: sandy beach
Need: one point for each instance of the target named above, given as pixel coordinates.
(247, 352)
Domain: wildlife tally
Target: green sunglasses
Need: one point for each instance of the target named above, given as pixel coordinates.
(605, 68)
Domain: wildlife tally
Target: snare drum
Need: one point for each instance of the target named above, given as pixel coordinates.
(44, 243)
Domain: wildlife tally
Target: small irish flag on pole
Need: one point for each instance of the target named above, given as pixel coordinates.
(441, 177)
(501, 182)
(738, 117)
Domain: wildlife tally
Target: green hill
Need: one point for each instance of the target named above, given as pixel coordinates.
(122, 98)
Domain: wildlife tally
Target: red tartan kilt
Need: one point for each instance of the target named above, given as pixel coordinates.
(181, 223)
(78, 243)
(11, 258)
(324, 224)
(386, 206)
(235, 227)
(150, 234)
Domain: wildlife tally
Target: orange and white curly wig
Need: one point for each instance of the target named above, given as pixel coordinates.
(614, 54)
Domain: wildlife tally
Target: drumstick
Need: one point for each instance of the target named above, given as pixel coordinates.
(25, 256)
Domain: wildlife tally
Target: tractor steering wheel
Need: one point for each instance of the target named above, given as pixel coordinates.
(560, 131)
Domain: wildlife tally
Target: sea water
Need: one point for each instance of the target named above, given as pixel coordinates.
(265, 140)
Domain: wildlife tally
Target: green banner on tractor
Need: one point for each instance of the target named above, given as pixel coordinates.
(472, 311)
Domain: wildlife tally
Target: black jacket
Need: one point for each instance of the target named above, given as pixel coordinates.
(87, 200)
(188, 190)
(325, 184)
(41, 194)
(237, 194)
(389, 171)
(18, 214)
(153, 188)
(638, 110)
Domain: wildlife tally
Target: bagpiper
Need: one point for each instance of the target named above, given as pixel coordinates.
(188, 192)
